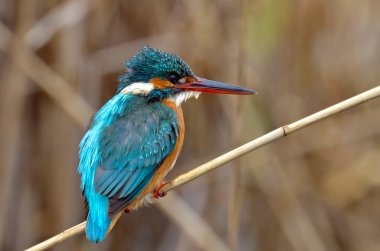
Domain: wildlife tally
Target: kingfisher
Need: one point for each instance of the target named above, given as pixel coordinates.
(134, 140)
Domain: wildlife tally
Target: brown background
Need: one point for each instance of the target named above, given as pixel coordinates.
(317, 189)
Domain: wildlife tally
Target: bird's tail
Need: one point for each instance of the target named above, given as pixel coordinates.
(96, 228)
(98, 223)
(97, 231)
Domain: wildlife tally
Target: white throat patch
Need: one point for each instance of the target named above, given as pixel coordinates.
(183, 96)
(141, 88)
(138, 88)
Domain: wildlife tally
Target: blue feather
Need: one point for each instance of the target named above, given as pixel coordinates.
(97, 220)
(119, 155)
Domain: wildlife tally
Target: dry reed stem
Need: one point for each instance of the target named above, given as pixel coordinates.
(46, 78)
(237, 152)
(272, 136)
(62, 16)
(59, 237)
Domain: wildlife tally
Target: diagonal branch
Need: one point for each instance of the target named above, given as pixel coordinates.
(236, 153)
(272, 136)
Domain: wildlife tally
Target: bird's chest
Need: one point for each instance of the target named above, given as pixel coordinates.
(181, 132)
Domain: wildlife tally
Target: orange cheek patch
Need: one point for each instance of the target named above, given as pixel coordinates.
(160, 84)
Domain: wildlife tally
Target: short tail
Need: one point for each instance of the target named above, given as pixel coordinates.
(96, 232)
(97, 226)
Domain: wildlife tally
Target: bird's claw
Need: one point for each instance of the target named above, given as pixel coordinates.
(159, 194)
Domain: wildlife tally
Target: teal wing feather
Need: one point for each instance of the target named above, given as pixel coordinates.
(132, 148)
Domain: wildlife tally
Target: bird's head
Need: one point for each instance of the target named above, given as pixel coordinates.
(158, 75)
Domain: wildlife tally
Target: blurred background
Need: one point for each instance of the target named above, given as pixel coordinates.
(318, 189)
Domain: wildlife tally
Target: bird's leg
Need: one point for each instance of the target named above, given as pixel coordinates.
(159, 194)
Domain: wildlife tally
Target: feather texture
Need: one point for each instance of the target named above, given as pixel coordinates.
(120, 154)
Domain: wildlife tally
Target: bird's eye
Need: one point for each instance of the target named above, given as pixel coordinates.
(173, 78)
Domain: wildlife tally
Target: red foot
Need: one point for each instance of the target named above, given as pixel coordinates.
(159, 194)
(127, 211)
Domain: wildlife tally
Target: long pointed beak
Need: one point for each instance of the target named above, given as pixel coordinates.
(205, 85)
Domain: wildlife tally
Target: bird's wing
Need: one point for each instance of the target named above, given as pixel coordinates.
(132, 148)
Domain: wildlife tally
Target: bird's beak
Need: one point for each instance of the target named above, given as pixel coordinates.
(204, 85)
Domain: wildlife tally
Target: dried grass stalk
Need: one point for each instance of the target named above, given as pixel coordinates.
(236, 153)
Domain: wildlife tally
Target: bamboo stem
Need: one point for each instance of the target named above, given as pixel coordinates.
(236, 153)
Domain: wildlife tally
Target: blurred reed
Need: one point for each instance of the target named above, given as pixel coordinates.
(318, 186)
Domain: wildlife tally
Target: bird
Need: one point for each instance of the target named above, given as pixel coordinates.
(134, 140)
